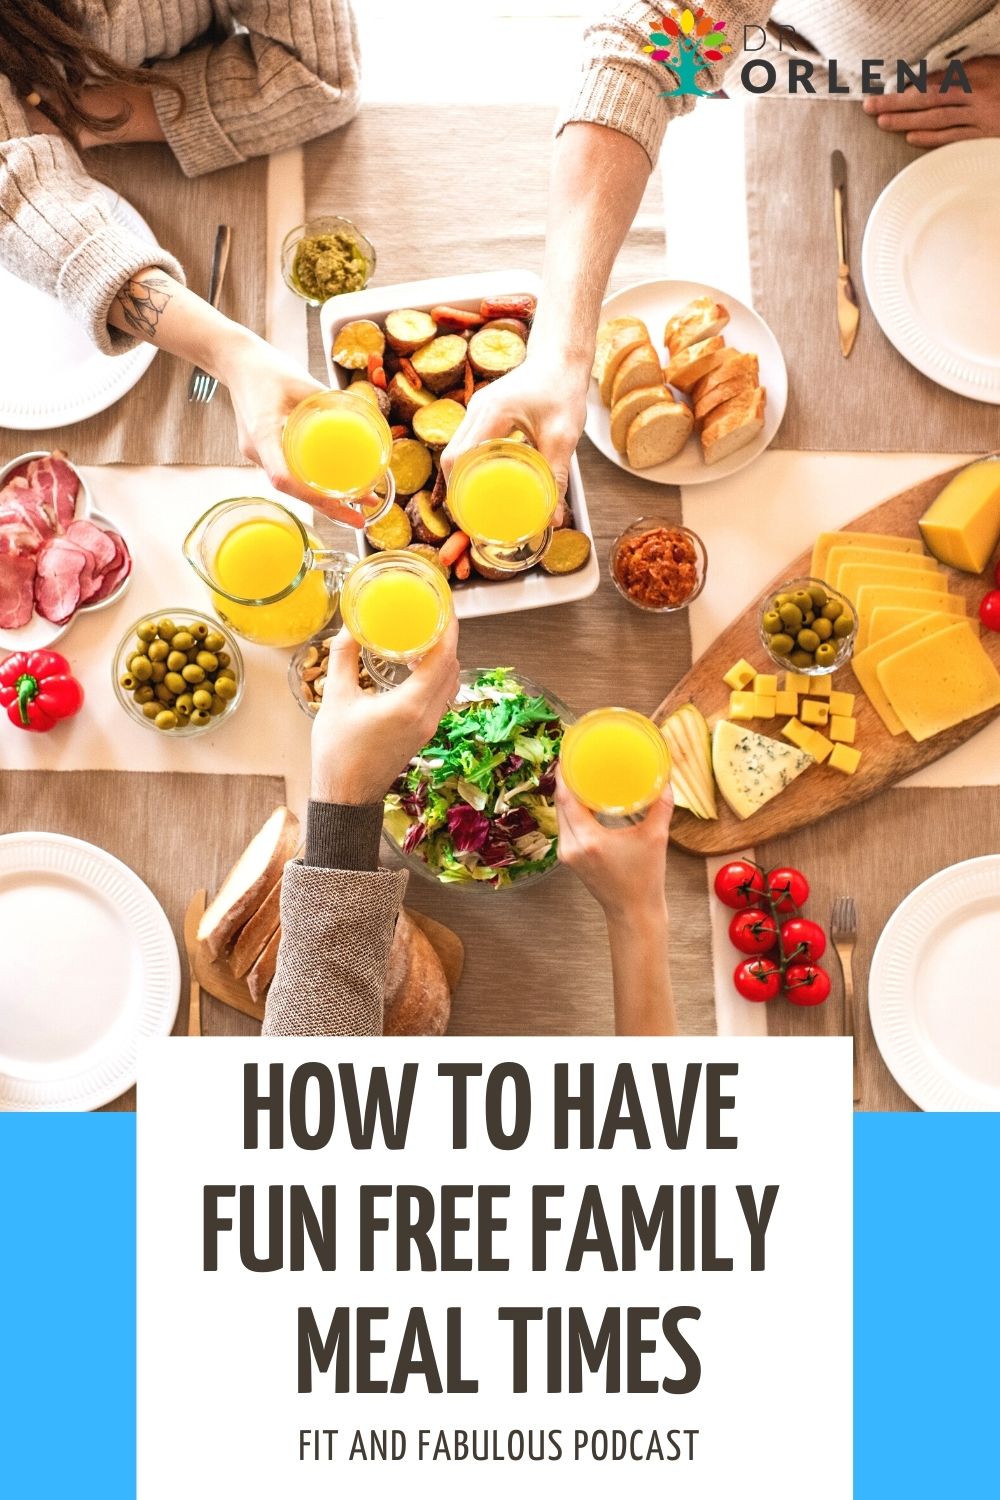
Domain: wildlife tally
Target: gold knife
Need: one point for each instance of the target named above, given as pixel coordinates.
(848, 314)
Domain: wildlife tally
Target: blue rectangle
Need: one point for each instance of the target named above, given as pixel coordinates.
(67, 1306)
(926, 1305)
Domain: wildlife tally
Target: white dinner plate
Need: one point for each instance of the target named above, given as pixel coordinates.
(929, 261)
(58, 376)
(933, 993)
(89, 965)
(479, 598)
(654, 302)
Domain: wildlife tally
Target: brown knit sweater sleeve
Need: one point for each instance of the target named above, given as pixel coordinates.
(338, 917)
(623, 87)
(284, 74)
(56, 228)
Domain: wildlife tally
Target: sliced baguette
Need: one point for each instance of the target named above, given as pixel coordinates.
(692, 363)
(658, 433)
(260, 976)
(625, 411)
(724, 391)
(620, 347)
(733, 424)
(701, 318)
(639, 367)
(616, 330)
(733, 366)
(257, 933)
(249, 881)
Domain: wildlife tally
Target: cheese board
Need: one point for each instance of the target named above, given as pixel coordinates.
(886, 758)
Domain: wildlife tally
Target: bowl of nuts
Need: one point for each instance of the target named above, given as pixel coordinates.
(307, 674)
(178, 673)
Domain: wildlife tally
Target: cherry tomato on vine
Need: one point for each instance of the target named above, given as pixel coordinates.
(806, 984)
(740, 884)
(753, 930)
(787, 888)
(989, 608)
(802, 941)
(757, 979)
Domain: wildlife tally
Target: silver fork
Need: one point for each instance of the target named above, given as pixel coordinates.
(202, 386)
(844, 936)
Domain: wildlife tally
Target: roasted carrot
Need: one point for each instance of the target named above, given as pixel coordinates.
(454, 547)
(455, 318)
(377, 378)
(518, 306)
(456, 394)
(470, 381)
(406, 368)
(440, 490)
(400, 430)
(463, 567)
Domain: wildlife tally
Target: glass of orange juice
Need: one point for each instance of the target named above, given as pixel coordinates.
(397, 606)
(615, 761)
(503, 495)
(340, 445)
(269, 577)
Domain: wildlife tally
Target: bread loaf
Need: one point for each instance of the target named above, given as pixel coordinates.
(249, 881)
(254, 937)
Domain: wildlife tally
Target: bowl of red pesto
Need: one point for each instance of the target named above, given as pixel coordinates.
(658, 565)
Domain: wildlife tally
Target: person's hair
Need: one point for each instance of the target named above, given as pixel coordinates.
(43, 50)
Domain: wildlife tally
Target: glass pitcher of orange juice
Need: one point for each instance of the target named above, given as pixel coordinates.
(269, 577)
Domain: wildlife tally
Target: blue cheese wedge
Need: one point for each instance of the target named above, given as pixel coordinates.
(750, 769)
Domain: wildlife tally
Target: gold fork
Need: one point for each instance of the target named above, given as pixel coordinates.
(844, 936)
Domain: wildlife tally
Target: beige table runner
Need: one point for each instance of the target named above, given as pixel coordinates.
(155, 423)
(464, 189)
(444, 191)
(877, 852)
(874, 401)
(178, 832)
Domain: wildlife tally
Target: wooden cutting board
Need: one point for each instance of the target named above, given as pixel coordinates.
(885, 758)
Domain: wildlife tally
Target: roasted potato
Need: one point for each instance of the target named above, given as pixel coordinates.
(355, 341)
(441, 363)
(411, 465)
(406, 329)
(405, 399)
(494, 351)
(567, 552)
(432, 555)
(437, 423)
(392, 532)
(507, 325)
(429, 524)
(363, 387)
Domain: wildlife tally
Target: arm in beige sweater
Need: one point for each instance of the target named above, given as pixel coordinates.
(291, 72)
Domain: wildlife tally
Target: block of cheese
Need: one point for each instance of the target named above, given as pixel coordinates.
(886, 619)
(962, 526)
(827, 540)
(843, 557)
(750, 769)
(866, 663)
(940, 681)
(872, 597)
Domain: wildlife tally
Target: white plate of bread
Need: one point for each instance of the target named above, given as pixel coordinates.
(689, 384)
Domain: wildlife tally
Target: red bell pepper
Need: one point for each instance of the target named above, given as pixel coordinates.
(37, 688)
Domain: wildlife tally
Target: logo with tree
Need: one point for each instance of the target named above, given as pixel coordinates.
(689, 42)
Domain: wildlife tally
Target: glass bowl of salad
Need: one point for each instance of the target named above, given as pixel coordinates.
(476, 808)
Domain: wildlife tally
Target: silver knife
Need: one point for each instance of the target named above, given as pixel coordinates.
(848, 314)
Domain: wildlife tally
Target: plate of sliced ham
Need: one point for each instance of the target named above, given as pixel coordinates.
(58, 554)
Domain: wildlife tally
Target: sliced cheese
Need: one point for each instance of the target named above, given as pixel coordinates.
(940, 681)
(962, 526)
(843, 557)
(827, 540)
(886, 619)
(750, 769)
(872, 597)
(866, 663)
(855, 576)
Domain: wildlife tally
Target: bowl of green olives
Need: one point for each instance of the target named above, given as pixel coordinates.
(807, 626)
(178, 672)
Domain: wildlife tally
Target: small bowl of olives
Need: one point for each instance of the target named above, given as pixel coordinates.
(808, 627)
(178, 672)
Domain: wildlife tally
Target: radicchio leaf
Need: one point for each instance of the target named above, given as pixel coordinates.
(468, 828)
(516, 823)
(415, 834)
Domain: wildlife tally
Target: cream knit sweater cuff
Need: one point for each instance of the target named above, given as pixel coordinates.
(94, 274)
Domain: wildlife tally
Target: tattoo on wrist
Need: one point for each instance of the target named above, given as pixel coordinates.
(143, 303)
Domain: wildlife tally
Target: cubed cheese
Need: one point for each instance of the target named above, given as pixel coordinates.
(766, 684)
(962, 526)
(786, 704)
(742, 705)
(843, 728)
(750, 769)
(797, 682)
(765, 705)
(845, 758)
(813, 711)
(940, 681)
(820, 687)
(739, 675)
(798, 734)
(841, 703)
(819, 747)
